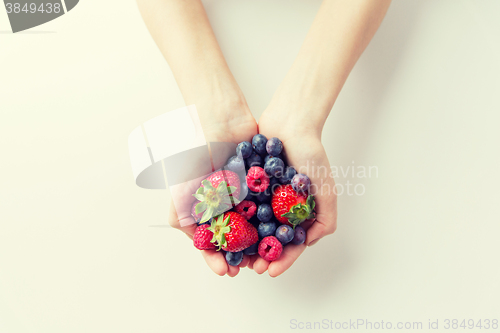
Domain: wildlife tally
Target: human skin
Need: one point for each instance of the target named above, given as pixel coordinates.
(184, 36)
(339, 34)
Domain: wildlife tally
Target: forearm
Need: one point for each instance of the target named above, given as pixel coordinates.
(183, 33)
(340, 32)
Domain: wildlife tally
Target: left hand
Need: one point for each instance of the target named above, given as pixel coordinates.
(304, 151)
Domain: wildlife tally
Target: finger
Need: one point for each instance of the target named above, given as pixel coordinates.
(288, 256)
(326, 218)
(215, 260)
(320, 229)
(260, 265)
(245, 261)
(233, 270)
(252, 260)
(188, 222)
(307, 224)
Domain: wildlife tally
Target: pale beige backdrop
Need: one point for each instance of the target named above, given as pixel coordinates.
(77, 253)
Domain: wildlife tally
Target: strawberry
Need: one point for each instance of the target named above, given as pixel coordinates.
(217, 194)
(202, 238)
(232, 232)
(228, 176)
(290, 207)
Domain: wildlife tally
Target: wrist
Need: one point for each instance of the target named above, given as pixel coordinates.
(298, 111)
(225, 117)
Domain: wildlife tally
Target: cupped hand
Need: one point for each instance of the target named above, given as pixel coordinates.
(304, 151)
(221, 122)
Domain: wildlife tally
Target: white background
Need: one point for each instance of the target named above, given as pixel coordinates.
(77, 250)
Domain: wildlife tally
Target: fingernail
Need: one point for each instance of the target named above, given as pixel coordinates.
(313, 242)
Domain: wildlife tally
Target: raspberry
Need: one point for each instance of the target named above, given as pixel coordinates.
(270, 248)
(257, 179)
(246, 209)
(202, 238)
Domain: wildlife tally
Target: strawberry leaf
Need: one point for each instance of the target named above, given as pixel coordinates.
(200, 207)
(207, 215)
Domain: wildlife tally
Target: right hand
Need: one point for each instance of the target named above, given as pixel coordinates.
(222, 123)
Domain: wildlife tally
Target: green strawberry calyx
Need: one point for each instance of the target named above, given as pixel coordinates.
(214, 201)
(301, 212)
(220, 227)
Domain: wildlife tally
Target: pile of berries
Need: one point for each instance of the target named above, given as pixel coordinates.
(264, 220)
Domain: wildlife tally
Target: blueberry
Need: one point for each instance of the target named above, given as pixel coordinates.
(288, 175)
(254, 160)
(254, 221)
(267, 158)
(259, 144)
(244, 149)
(263, 196)
(234, 258)
(274, 167)
(264, 212)
(301, 182)
(244, 189)
(273, 184)
(266, 229)
(252, 249)
(274, 146)
(236, 164)
(300, 235)
(284, 233)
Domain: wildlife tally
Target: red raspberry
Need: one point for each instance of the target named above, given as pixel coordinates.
(257, 179)
(246, 209)
(202, 238)
(270, 248)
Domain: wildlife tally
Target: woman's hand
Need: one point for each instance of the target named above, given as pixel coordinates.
(222, 121)
(304, 151)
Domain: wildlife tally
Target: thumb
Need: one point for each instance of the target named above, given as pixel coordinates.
(321, 227)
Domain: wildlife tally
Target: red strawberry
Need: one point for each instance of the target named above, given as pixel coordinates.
(202, 237)
(217, 194)
(290, 207)
(230, 177)
(232, 232)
